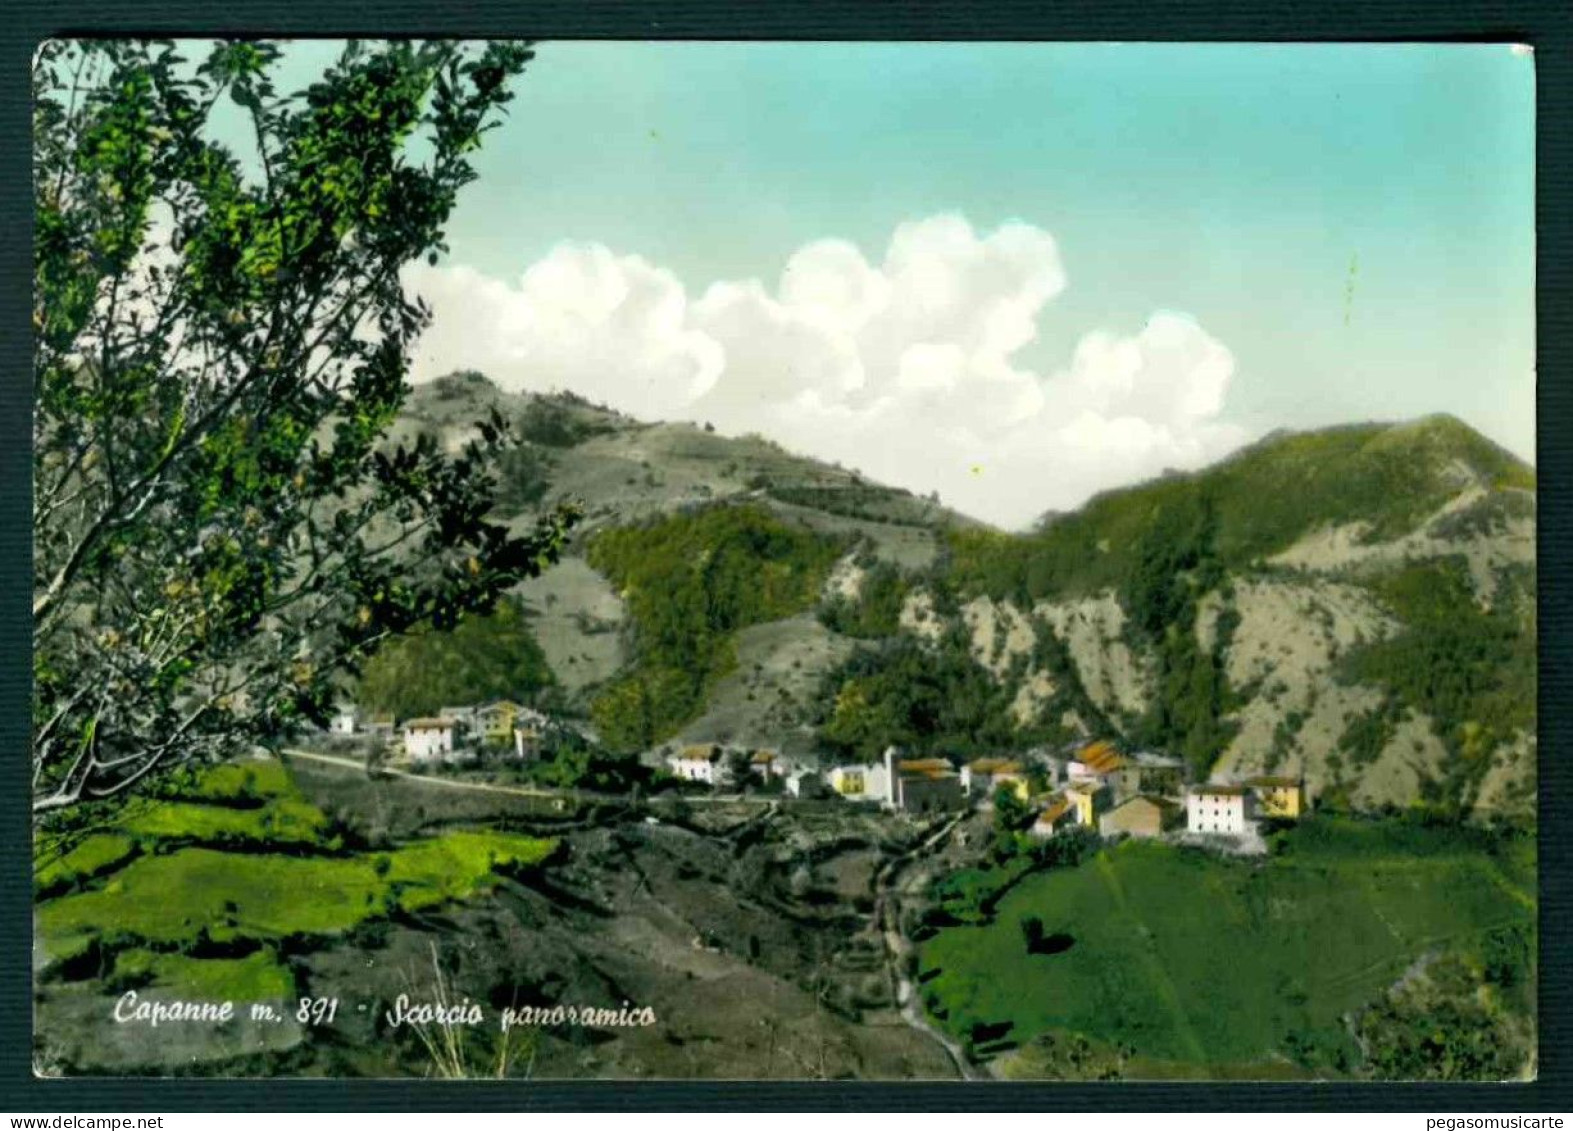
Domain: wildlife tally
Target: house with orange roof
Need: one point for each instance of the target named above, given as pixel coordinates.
(1100, 761)
(763, 764)
(1057, 816)
(922, 785)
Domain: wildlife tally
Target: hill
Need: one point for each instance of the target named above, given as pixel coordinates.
(1340, 955)
(1355, 604)
(624, 620)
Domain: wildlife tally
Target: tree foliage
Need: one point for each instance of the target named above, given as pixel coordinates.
(876, 610)
(221, 525)
(1176, 563)
(1264, 497)
(1472, 670)
(920, 696)
(692, 581)
(486, 656)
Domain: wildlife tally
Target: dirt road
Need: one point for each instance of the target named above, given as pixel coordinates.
(513, 790)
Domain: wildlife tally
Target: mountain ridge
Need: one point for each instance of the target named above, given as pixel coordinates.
(1261, 613)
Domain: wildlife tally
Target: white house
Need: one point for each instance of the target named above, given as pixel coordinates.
(1219, 808)
(703, 763)
(345, 720)
(429, 740)
(1059, 814)
(764, 765)
(864, 781)
(793, 775)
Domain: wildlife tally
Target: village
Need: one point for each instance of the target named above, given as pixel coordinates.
(1091, 785)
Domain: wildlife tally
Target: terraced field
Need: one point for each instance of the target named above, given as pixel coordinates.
(208, 892)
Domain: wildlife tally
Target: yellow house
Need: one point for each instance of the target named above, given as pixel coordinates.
(1090, 798)
(494, 721)
(1278, 796)
(850, 781)
(1059, 814)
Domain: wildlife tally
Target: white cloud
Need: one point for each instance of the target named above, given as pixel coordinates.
(904, 369)
(609, 327)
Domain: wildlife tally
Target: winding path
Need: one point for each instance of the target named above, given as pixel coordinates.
(512, 790)
(887, 914)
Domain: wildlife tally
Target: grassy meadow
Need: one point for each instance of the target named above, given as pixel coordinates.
(204, 890)
(1199, 964)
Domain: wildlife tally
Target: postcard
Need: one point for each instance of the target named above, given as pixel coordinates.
(784, 560)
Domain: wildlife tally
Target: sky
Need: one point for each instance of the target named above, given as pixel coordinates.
(1015, 274)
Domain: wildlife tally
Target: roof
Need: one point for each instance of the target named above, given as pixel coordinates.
(1100, 757)
(1219, 789)
(1054, 811)
(762, 757)
(994, 766)
(1267, 781)
(428, 724)
(1087, 785)
(1162, 803)
(500, 705)
(705, 752)
(923, 765)
(925, 773)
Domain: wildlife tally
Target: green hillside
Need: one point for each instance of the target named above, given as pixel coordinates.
(1208, 965)
(1259, 501)
(207, 890)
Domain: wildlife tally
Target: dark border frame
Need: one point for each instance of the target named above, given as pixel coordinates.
(1541, 23)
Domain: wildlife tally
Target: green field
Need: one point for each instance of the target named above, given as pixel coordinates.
(159, 899)
(1194, 960)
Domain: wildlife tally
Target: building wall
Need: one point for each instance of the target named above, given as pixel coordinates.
(929, 795)
(982, 787)
(1090, 803)
(1212, 813)
(527, 744)
(862, 783)
(1280, 801)
(428, 745)
(1138, 818)
(695, 769)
